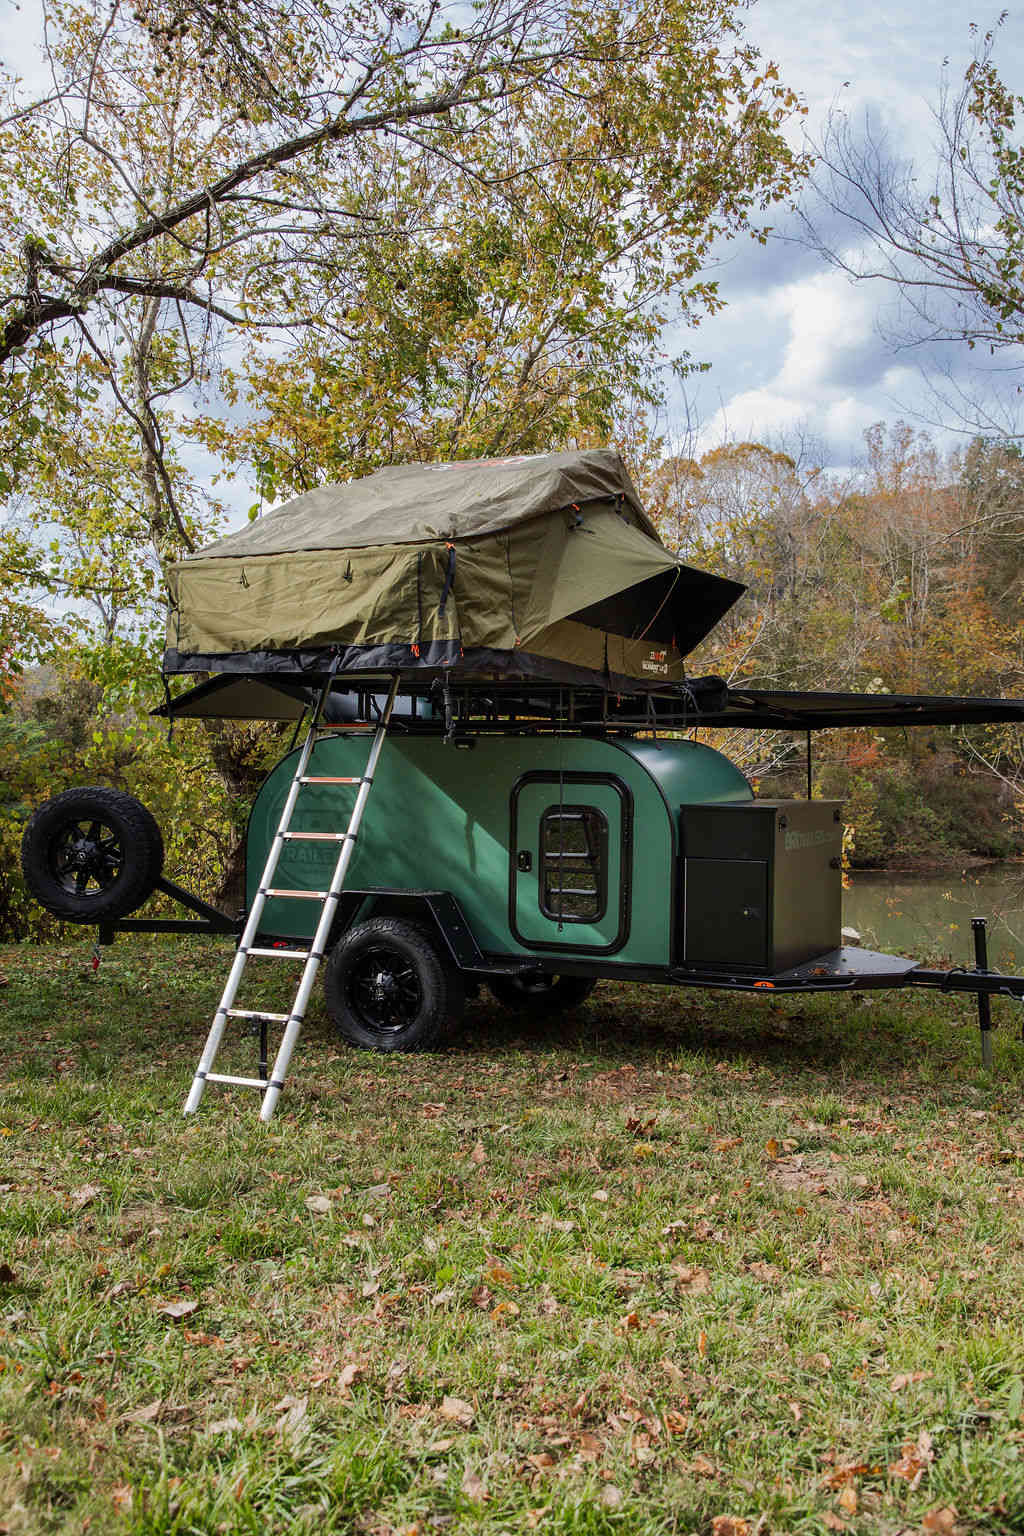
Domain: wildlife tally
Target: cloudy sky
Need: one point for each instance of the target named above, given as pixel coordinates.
(799, 348)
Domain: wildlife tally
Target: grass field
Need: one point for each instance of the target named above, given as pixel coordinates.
(674, 1263)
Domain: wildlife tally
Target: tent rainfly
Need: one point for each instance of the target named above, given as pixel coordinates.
(542, 566)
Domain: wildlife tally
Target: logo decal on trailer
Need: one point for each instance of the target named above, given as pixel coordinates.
(656, 662)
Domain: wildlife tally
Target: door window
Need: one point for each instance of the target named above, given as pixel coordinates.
(573, 884)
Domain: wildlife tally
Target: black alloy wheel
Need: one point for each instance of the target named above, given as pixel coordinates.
(389, 986)
(85, 857)
(91, 855)
(539, 992)
(383, 988)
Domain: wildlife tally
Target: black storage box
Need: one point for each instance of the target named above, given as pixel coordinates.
(761, 884)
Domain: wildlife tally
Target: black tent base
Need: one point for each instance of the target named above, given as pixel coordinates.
(474, 705)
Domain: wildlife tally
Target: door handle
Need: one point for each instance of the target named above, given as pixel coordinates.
(524, 860)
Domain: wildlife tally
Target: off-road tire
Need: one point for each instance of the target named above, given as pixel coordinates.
(541, 993)
(388, 987)
(91, 855)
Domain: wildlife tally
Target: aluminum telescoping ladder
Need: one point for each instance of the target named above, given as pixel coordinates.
(271, 1085)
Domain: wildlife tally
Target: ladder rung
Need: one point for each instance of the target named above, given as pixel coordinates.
(239, 1082)
(280, 954)
(258, 1013)
(308, 778)
(355, 729)
(314, 837)
(302, 895)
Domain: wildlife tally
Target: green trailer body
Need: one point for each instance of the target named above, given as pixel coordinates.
(471, 819)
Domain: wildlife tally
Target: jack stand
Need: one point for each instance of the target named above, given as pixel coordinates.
(984, 1002)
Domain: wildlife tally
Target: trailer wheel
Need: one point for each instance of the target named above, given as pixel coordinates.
(90, 855)
(388, 988)
(540, 993)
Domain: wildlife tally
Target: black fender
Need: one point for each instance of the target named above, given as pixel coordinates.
(438, 910)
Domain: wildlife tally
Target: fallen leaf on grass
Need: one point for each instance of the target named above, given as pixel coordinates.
(703, 1466)
(819, 1362)
(350, 1374)
(177, 1309)
(224, 1426)
(904, 1380)
(370, 1288)
(478, 1154)
(729, 1525)
(144, 1415)
(848, 1500)
(831, 1521)
(767, 1273)
(294, 1417)
(318, 1204)
(601, 1195)
(676, 1377)
(702, 1344)
(504, 1309)
(121, 1498)
(85, 1196)
(694, 1281)
(474, 1487)
(459, 1411)
(917, 1456)
(610, 1496)
(497, 1274)
(942, 1519)
(844, 1473)
(542, 1460)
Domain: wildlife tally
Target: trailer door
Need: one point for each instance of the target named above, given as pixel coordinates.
(570, 856)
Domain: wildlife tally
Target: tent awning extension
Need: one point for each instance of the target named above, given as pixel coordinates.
(702, 702)
(542, 567)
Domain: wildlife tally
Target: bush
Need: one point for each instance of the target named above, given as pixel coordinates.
(57, 734)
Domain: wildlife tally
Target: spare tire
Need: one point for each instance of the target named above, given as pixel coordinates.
(91, 855)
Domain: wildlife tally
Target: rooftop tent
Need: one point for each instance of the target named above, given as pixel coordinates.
(542, 566)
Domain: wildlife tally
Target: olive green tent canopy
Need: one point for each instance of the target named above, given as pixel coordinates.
(540, 566)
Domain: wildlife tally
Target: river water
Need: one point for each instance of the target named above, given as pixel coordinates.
(929, 915)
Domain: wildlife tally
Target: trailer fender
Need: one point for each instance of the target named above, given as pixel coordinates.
(438, 910)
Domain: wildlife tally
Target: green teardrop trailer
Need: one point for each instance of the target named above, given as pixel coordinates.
(549, 847)
(496, 783)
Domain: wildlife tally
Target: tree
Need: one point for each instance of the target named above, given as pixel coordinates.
(424, 205)
(951, 241)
